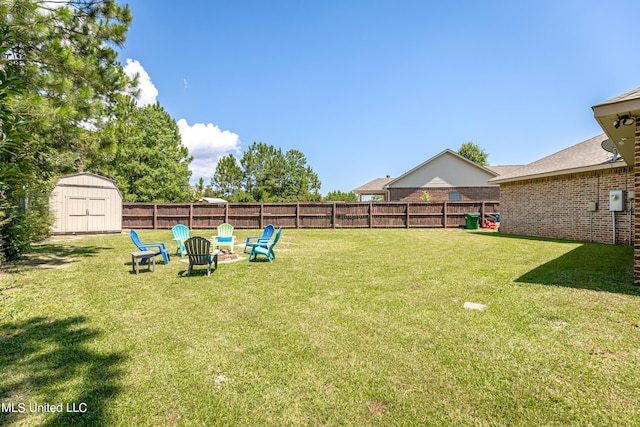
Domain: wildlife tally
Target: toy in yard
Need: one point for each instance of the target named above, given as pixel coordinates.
(489, 224)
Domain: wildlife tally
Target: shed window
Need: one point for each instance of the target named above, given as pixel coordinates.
(454, 195)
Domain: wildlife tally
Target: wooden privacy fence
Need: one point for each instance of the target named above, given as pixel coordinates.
(306, 214)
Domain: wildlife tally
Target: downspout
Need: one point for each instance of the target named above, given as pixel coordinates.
(631, 226)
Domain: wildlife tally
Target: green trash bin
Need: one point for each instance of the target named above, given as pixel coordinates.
(471, 220)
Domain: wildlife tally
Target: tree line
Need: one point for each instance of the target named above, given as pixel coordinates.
(67, 106)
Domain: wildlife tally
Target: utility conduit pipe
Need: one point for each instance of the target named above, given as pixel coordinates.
(613, 220)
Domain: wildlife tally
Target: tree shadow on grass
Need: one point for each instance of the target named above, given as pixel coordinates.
(46, 360)
(594, 266)
(51, 256)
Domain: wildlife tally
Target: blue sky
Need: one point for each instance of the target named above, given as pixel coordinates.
(372, 88)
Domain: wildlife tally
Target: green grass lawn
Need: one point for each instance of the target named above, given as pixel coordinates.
(346, 327)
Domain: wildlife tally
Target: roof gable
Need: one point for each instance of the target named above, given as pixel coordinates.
(446, 169)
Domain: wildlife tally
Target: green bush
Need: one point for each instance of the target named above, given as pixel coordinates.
(15, 236)
(24, 224)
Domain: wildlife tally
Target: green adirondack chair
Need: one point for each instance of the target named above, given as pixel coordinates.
(225, 237)
(199, 252)
(180, 234)
(265, 248)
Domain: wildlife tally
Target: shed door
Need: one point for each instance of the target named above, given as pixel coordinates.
(96, 208)
(85, 214)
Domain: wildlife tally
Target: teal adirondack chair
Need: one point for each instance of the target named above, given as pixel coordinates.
(266, 236)
(199, 253)
(265, 248)
(225, 237)
(180, 234)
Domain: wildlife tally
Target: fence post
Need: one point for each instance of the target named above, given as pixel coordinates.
(155, 215)
(482, 210)
(261, 215)
(226, 212)
(297, 215)
(333, 215)
(407, 216)
(370, 214)
(445, 206)
(190, 215)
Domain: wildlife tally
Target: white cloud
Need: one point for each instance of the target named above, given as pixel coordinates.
(148, 91)
(206, 143)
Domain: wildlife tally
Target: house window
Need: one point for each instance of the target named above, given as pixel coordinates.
(454, 195)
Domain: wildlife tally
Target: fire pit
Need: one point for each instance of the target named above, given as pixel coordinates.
(226, 255)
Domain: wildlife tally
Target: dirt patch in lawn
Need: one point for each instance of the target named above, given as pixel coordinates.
(50, 256)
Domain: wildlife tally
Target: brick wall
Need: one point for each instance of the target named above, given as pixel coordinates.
(440, 194)
(636, 240)
(556, 207)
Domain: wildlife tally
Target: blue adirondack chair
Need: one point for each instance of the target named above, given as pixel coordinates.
(180, 234)
(266, 236)
(265, 248)
(157, 247)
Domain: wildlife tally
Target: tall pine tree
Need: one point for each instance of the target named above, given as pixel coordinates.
(149, 164)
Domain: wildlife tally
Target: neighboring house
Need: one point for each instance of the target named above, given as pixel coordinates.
(446, 176)
(374, 188)
(566, 195)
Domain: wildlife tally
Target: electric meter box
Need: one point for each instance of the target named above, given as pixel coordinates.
(616, 200)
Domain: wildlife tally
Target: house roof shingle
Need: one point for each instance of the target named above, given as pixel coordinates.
(632, 94)
(504, 170)
(585, 154)
(374, 185)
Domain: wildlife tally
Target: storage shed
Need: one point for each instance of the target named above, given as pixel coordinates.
(86, 203)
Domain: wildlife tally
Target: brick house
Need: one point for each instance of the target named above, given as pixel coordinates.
(566, 196)
(620, 119)
(555, 202)
(447, 176)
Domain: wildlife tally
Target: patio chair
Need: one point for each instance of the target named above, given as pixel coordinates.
(199, 252)
(266, 236)
(157, 247)
(225, 237)
(265, 248)
(180, 234)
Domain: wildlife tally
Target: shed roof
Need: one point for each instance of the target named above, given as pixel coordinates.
(586, 155)
(87, 179)
(212, 200)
